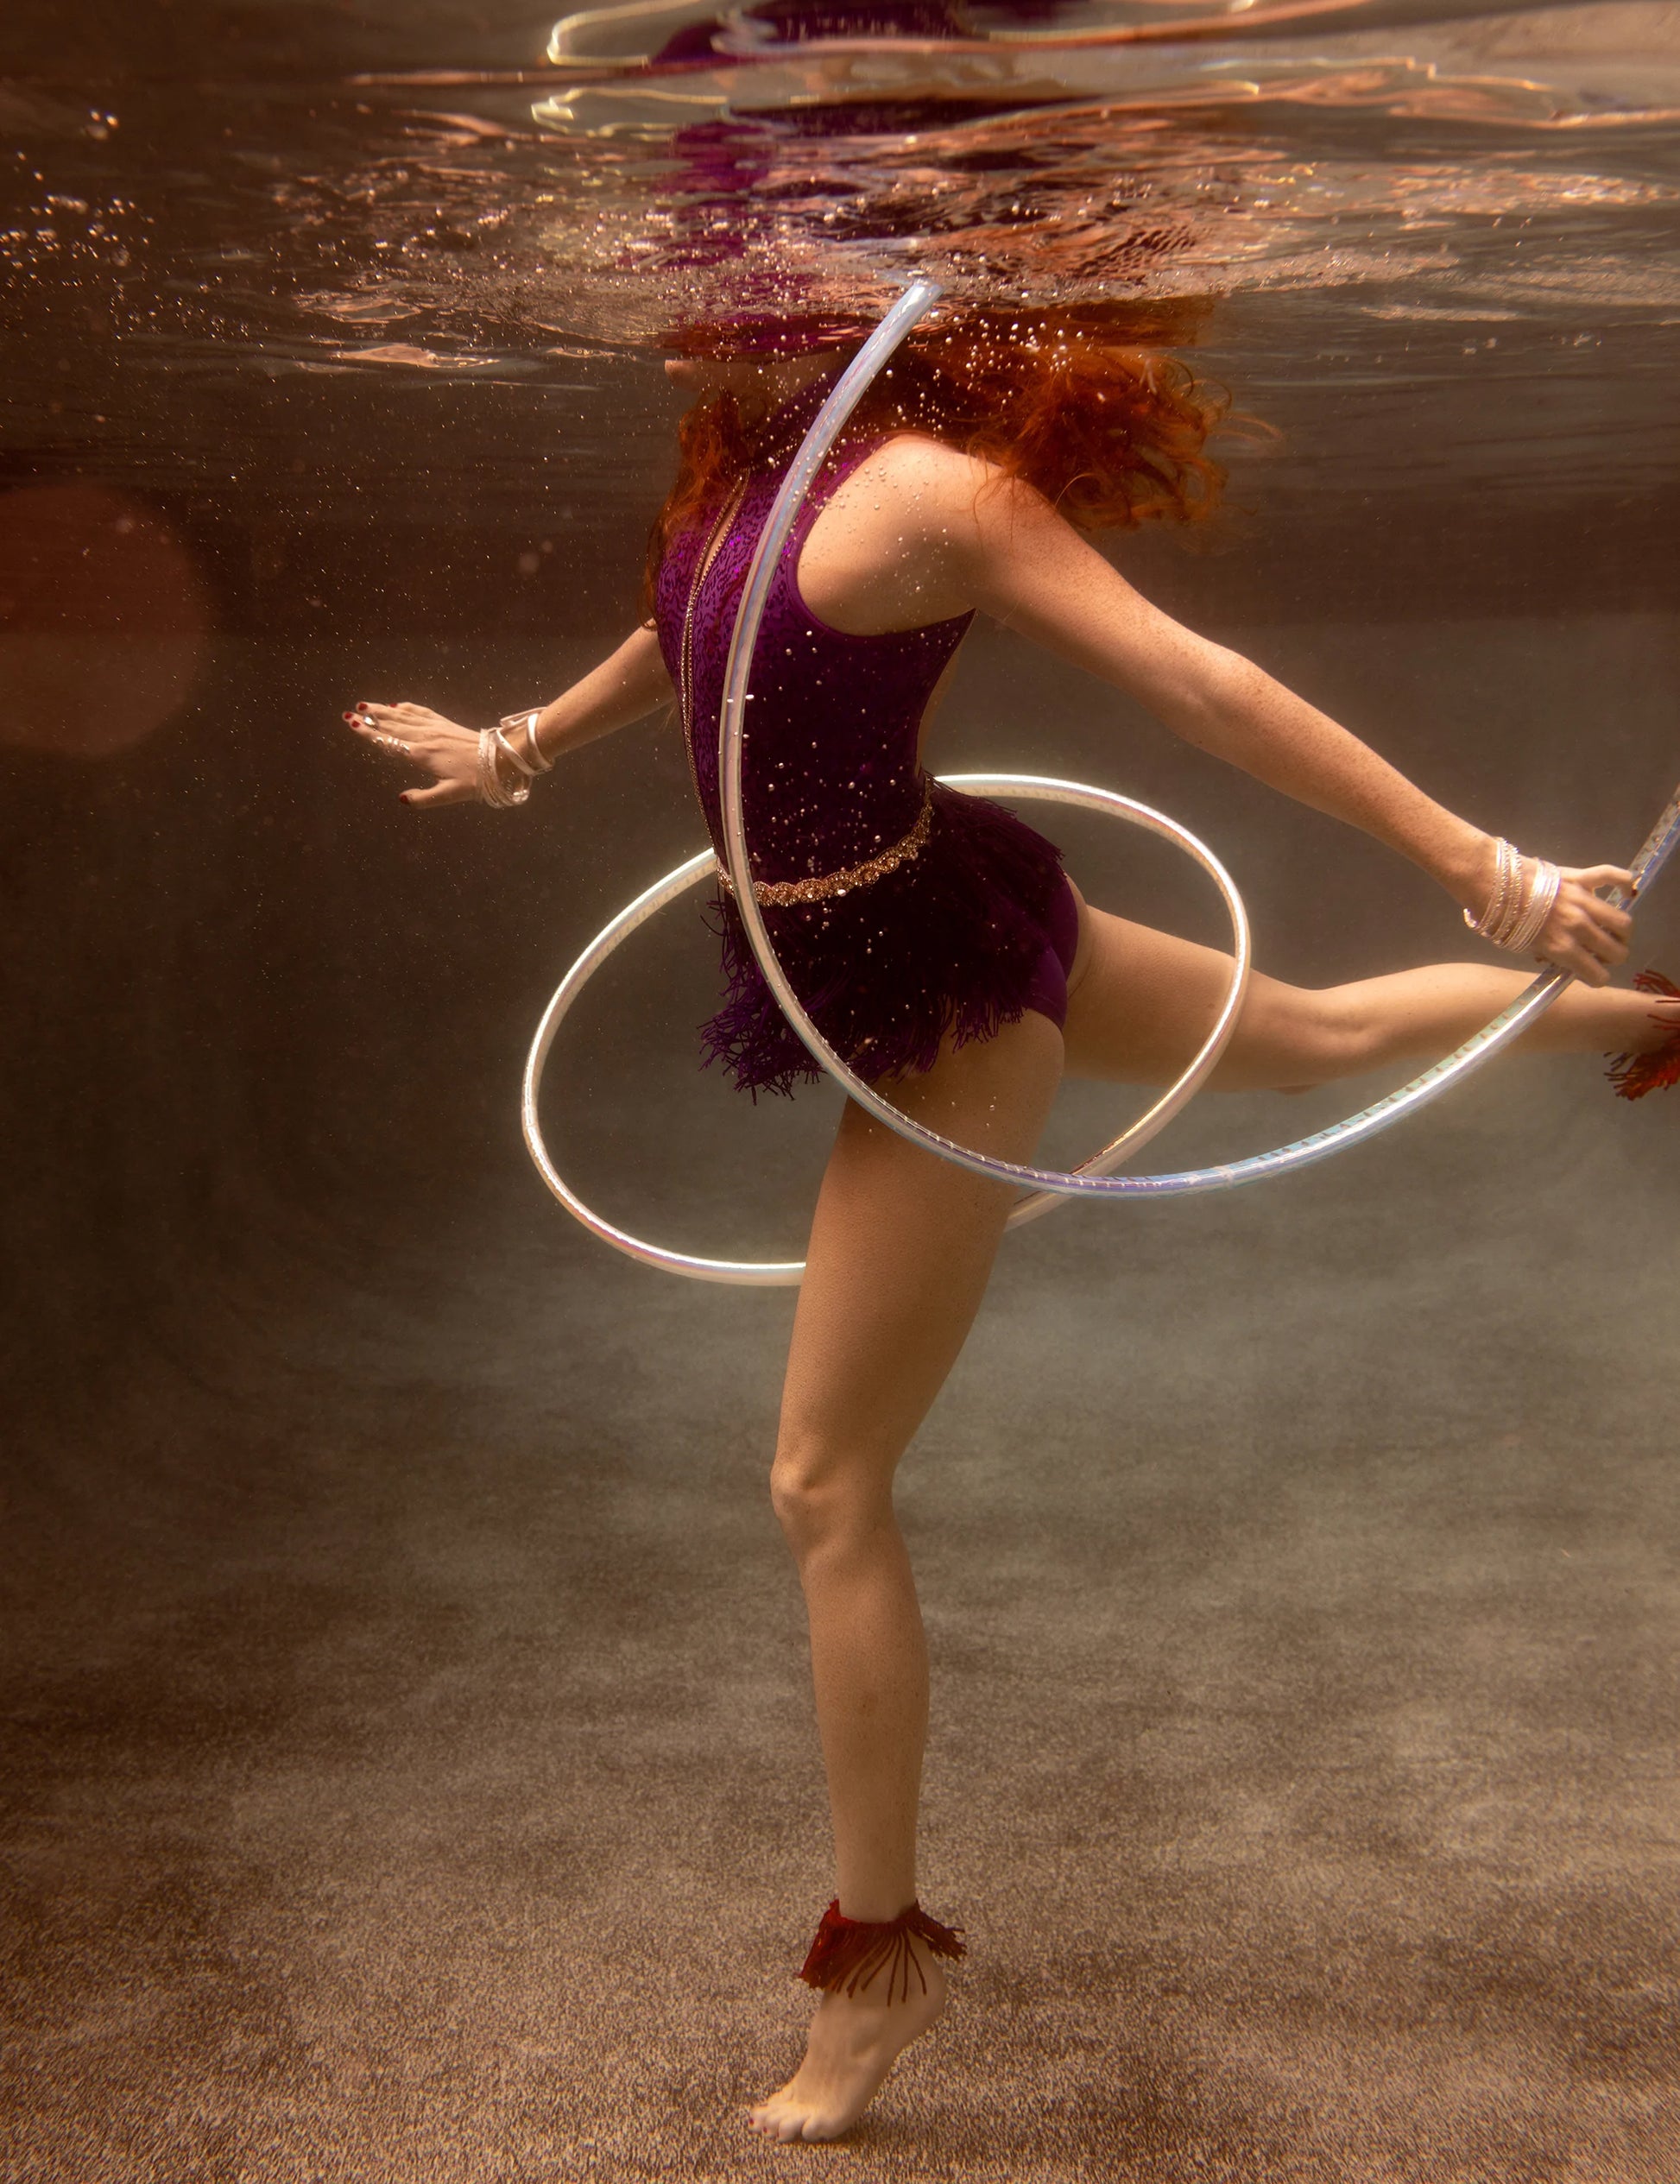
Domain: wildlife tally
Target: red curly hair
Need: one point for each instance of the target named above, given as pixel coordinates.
(1084, 404)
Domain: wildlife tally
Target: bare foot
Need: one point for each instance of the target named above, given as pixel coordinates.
(854, 2042)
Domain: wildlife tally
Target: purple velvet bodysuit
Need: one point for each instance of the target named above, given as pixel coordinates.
(975, 927)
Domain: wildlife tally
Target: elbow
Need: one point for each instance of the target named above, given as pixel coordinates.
(1211, 702)
(1217, 701)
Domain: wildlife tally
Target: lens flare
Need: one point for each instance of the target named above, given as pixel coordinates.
(104, 620)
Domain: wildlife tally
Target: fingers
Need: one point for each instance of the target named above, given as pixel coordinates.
(1594, 876)
(447, 752)
(381, 724)
(1574, 941)
(1585, 935)
(1618, 924)
(1586, 920)
(1588, 958)
(409, 720)
(1579, 961)
(1604, 927)
(413, 724)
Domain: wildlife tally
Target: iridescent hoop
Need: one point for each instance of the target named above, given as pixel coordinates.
(1093, 1179)
(773, 1273)
(1531, 1004)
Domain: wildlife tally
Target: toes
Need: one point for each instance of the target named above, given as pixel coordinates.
(773, 2121)
(786, 2121)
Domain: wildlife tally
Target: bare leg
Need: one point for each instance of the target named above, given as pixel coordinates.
(901, 1248)
(1142, 1001)
(900, 1251)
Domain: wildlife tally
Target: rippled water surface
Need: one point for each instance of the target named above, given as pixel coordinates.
(1444, 234)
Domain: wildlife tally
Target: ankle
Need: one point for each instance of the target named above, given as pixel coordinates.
(912, 1980)
(875, 1906)
(882, 1961)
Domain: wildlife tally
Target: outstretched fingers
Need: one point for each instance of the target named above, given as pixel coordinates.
(445, 749)
(365, 721)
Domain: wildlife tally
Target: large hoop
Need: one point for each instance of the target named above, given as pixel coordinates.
(1510, 1024)
(776, 1273)
(1045, 1185)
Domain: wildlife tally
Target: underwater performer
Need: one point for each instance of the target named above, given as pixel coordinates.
(939, 946)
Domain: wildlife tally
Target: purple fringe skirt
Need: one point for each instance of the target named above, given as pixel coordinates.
(950, 943)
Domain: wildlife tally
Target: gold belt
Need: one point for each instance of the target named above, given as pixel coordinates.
(774, 893)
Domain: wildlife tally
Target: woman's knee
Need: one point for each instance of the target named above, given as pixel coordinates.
(823, 1498)
(1313, 1033)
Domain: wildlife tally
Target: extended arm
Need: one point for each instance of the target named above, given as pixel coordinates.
(963, 540)
(1039, 577)
(631, 683)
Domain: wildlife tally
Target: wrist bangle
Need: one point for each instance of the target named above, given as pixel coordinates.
(1547, 881)
(1517, 913)
(492, 789)
(527, 720)
(1504, 903)
(513, 757)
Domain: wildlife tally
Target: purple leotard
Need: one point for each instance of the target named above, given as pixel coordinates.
(977, 927)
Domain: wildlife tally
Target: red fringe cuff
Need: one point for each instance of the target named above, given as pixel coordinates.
(1634, 1074)
(847, 1953)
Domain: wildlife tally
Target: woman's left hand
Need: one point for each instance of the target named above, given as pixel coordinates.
(1584, 934)
(447, 751)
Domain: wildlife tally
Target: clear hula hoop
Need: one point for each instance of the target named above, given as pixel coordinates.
(1047, 1186)
(772, 1273)
(1510, 1024)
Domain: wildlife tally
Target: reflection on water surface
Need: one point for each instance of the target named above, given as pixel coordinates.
(1471, 206)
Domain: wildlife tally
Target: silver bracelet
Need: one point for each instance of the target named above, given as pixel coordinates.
(492, 789)
(527, 720)
(1547, 881)
(1507, 893)
(519, 765)
(1516, 914)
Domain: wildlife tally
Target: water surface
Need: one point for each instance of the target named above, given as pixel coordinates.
(1444, 234)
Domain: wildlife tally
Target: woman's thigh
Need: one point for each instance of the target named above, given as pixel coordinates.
(1140, 1003)
(901, 1247)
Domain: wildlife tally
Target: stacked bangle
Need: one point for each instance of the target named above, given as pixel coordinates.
(527, 720)
(1517, 913)
(492, 789)
(494, 744)
(1547, 881)
(521, 765)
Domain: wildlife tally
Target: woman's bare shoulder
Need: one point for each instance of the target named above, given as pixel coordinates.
(918, 458)
(956, 493)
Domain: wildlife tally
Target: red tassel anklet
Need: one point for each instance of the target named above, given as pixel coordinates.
(1634, 1074)
(848, 1952)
